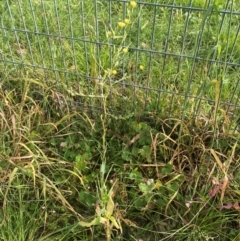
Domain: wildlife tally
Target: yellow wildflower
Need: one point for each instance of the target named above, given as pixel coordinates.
(127, 21)
(121, 24)
(133, 4)
(114, 72)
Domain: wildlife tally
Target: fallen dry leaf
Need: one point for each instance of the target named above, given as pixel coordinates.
(213, 192)
(236, 206)
(227, 206)
(217, 186)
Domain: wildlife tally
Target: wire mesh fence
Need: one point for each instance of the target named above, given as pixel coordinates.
(171, 58)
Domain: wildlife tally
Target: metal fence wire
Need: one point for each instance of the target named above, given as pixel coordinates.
(169, 57)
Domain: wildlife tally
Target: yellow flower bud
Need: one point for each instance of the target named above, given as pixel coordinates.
(125, 50)
(109, 33)
(141, 67)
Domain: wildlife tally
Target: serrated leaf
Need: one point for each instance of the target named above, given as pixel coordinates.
(135, 175)
(145, 188)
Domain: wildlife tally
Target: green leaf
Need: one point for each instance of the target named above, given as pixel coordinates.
(145, 139)
(167, 169)
(95, 221)
(135, 151)
(140, 202)
(105, 197)
(114, 222)
(110, 205)
(103, 168)
(126, 155)
(146, 188)
(86, 198)
(135, 175)
(173, 187)
(145, 151)
(80, 163)
(161, 202)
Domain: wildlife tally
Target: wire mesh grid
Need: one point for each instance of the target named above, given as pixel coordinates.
(173, 58)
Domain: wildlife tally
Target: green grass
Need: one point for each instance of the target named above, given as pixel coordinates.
(87, 152)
